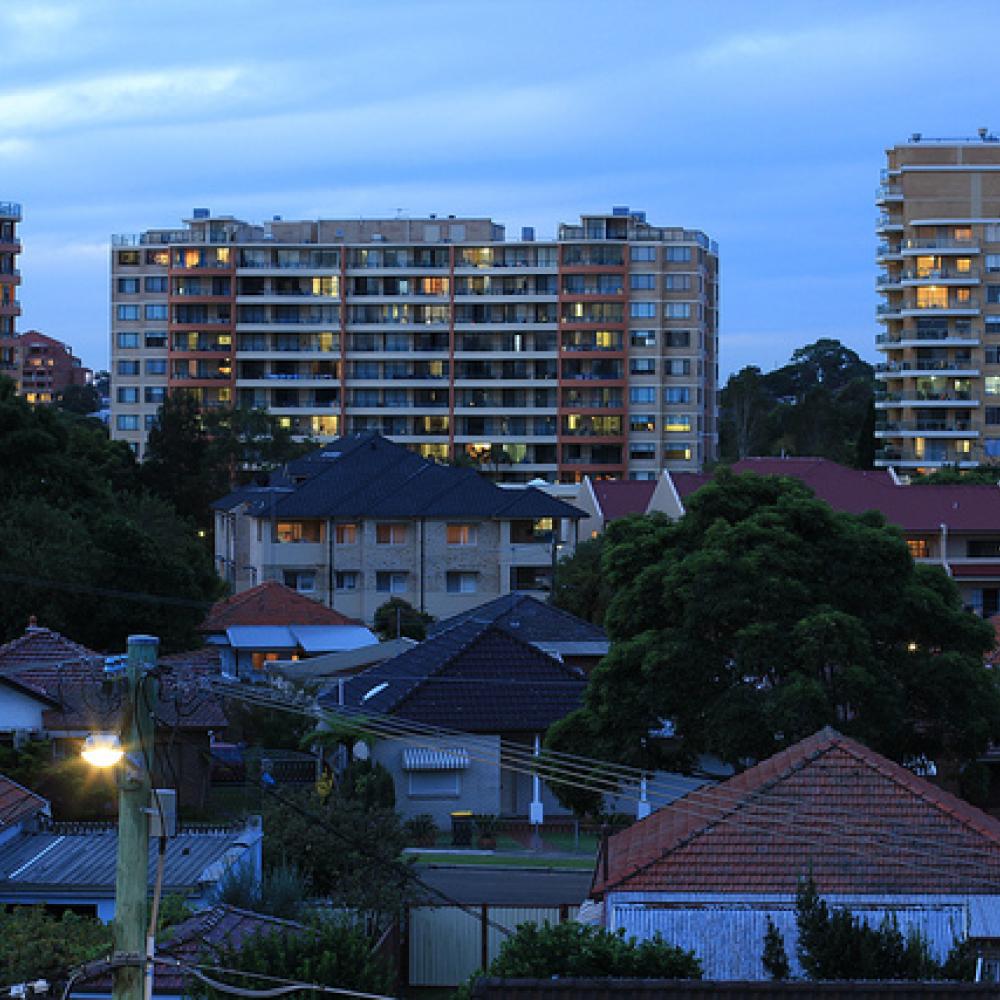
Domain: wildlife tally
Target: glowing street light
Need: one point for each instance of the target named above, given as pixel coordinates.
(102, 749)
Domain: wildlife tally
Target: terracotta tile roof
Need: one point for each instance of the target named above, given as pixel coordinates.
(270, 603)
(189, 941)
(827, 806)
(17, 802)
(620, 497)
(915, 509)
(41, 645)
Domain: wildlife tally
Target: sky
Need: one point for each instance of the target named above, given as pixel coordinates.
(763, 124)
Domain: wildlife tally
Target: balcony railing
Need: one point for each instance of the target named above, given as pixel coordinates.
(946, 456)
(939, 243)
(966, 337)
(10, 210)
(937, 365)
(940, 274)
(926, 426)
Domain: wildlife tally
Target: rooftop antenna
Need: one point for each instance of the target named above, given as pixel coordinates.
(983, 133)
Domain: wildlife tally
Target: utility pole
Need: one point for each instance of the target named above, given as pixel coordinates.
(135, 786)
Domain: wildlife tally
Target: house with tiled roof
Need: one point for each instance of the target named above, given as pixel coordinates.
(708, 870)
(20, 809)
(363, 520)
(955, 527)
(272, 622)
(201, 939)
(481, 682)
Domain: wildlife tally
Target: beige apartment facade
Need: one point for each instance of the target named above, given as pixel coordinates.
(595, 353)
(938, 390)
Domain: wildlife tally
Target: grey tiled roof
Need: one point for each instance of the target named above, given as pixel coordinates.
(528, 618)
(474, 677)
(367, 475)
(87, 860)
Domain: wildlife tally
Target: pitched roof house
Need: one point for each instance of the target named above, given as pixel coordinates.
(270, 622)
(364, 519)
(485, 683)
(708, 870)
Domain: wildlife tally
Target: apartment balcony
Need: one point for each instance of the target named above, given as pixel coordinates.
(954, 307)
(924, 338)
(10, 210)
(886, 193)
(886, 281)
(926, 429)
(888, 224)
(907, 458)
(925, 244)
(909, 396)
(940, 276)
(888, 251)
(913, 369)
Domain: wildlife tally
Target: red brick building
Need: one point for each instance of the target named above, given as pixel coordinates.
(45, 367)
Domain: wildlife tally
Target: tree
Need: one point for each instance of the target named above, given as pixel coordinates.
(581, 950)
(746, 405)
(36, 945)
(82, 399)
(775, 958)
(580, 587)
(281, 892)
(835, 944)
(761, 616)
(329, 951)
(398, 618)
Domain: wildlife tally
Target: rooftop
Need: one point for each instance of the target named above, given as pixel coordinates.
(621, 497)
(270, 603)
(828, 807)
(18, 803)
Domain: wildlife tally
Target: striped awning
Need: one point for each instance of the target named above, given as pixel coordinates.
(423, 759)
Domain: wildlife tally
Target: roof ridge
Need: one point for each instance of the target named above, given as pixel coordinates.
(399, 455)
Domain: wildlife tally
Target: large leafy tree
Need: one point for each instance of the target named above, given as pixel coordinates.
(762, 615)
(37, 945)
(580, 587)
(82, 546)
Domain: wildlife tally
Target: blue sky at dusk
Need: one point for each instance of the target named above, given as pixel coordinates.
(763, 124)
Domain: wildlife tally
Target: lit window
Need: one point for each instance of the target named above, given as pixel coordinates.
(346, 534)
(677, 452)
(677, 422)
(390, 534)
(299, 531)
(644, 338)
(461, 534)
(642, 422)
(919, 549)
(461, 583)
(128, 258)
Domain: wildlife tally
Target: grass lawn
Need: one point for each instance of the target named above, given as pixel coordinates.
(566, 842)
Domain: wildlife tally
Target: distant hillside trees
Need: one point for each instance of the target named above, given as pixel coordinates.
(819, 404)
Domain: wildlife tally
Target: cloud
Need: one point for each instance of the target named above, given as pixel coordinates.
(120, 98)
(11, 149)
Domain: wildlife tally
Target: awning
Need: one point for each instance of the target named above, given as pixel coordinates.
(423, 759)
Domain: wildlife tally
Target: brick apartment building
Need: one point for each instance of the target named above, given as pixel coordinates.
(592, 353)
(938, 390)
(10, 278)
(45, 367)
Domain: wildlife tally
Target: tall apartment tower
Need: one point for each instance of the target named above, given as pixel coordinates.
(938, 391)
(10, 278)
(591, 354)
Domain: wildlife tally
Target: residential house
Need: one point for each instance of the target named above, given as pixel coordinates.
(54, 688)
(271, 622)
(364, 520)
(483, 684)
(21, 810)
(955, 527)
(74, 865)
(574, 641)
(201, 939)
(709, 869)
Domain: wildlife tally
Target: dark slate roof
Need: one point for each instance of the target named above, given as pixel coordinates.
(86, 861)
(528, 618)
(474, 677)
(369, 476)
(828, 807)
(196, 939)
(621, 497)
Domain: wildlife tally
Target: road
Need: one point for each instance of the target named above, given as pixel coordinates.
(508, 886)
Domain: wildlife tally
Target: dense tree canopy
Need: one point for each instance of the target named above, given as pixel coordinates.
(761, 616)
(580, 586)
(37, 945)
(819, 404)
(82, 546)
(398, 618)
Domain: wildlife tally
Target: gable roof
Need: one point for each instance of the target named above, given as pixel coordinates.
(621, 497)
(918, 509)
(369, 476)
(475, 677)
(18, 803)
(528, 618)
(270, 603)
(827, 806)
(41, 645)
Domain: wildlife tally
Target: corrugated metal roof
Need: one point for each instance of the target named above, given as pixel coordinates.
(88, 860)
(423, 759)
(261, 637)
(332, 638)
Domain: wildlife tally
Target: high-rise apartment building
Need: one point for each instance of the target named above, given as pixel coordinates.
(593, 353)
(938, 391)
(10, 278)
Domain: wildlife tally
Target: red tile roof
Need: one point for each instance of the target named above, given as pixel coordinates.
(17, 802)
(827, 806)
(620, 497)
(915, 509)
(270, 603)
(40, 645)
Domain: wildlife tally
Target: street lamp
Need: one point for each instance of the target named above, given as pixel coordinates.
(134, 787)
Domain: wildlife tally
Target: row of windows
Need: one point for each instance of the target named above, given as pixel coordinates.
(671, 310)
(386, 582)
(130, 286)
(130, 394)
(673, 254)
(386, 533)
(671, 282)
(154, 366)
(130, 421)
(672, 422)
(151, 311)
(152, 338)
(671, 394)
